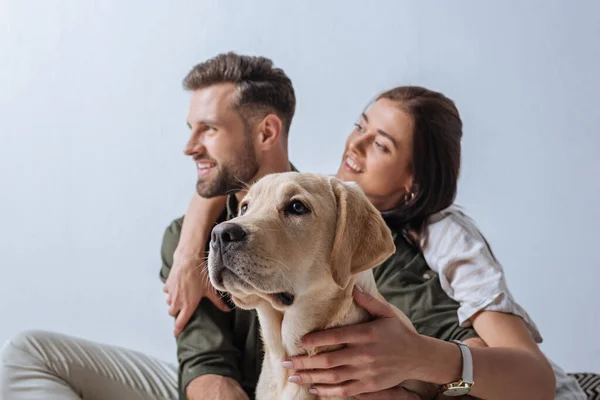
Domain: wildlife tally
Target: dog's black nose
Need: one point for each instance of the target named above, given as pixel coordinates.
(227, 232)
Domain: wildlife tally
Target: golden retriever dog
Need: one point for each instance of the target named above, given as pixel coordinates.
(299, 245)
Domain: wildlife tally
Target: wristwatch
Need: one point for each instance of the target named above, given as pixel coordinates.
(463, 385)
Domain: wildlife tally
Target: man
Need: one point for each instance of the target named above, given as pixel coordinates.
(240, 112)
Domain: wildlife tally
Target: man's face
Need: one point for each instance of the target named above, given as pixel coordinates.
(220, 143)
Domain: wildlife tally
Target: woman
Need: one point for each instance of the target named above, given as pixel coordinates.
(405, 154)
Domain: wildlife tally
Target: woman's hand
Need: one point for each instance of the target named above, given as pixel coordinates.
(186, 285)
(378, 356)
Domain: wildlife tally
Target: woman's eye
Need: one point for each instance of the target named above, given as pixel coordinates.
(243, 209)
(297, 207)
(359, 128)
(381, 147)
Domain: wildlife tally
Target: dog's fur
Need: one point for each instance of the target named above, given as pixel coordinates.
(317, 257)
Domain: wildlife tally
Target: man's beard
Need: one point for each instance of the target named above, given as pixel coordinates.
(231, 177)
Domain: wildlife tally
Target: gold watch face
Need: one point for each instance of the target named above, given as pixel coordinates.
(457, 389)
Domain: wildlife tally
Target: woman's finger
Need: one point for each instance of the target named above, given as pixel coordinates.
(376, 307)
(347, 356)
(347, 389)
(332, 337)
(325, 376)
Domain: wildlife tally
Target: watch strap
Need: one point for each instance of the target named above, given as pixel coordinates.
(467, 362)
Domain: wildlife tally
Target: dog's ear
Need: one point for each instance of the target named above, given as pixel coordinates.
(362, 239)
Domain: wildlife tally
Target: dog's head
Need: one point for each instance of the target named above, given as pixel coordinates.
(296, 235)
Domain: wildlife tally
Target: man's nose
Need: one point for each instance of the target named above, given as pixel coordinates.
(194, 146)
(227, 233)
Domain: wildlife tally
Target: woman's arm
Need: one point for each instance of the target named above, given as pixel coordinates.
(506, 331)
(188, 281)
(511, 364)
(469, 273)
(385, 352)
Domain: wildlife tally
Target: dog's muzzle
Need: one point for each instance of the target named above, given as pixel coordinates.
(225, 237)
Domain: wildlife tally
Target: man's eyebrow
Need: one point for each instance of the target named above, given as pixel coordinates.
(203, 122)
(365, 117)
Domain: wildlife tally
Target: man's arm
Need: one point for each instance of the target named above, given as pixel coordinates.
(215, 387)
(201, 216)
(205, 345)
(187, 283)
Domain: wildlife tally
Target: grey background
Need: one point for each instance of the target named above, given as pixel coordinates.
(92, 128)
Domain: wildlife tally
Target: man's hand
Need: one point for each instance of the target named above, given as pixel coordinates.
(186, 285)
(214, 387)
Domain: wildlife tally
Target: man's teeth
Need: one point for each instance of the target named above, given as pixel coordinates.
(353, 165)
(203, 165)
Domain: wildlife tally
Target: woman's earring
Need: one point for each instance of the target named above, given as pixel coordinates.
(409, 196)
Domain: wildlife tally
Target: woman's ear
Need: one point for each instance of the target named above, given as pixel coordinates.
(269, 130)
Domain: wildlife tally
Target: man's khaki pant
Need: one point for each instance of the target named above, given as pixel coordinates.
(52, 366)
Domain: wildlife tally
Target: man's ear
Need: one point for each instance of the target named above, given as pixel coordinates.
(269, 130)
(362, 239)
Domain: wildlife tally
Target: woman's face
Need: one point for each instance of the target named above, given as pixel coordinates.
(378, 154)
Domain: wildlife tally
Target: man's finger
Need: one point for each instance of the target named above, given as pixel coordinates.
(182, 320)
(216, 299)
(173, 310)
(376, 307)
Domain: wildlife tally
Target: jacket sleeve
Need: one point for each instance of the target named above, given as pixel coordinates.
(205, 346)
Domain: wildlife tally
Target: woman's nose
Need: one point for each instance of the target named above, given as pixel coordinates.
(358, 143)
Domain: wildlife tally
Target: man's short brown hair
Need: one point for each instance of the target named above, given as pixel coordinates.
(262, 89)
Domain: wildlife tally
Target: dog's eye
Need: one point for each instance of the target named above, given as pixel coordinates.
(298, 208)
(243, 209)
